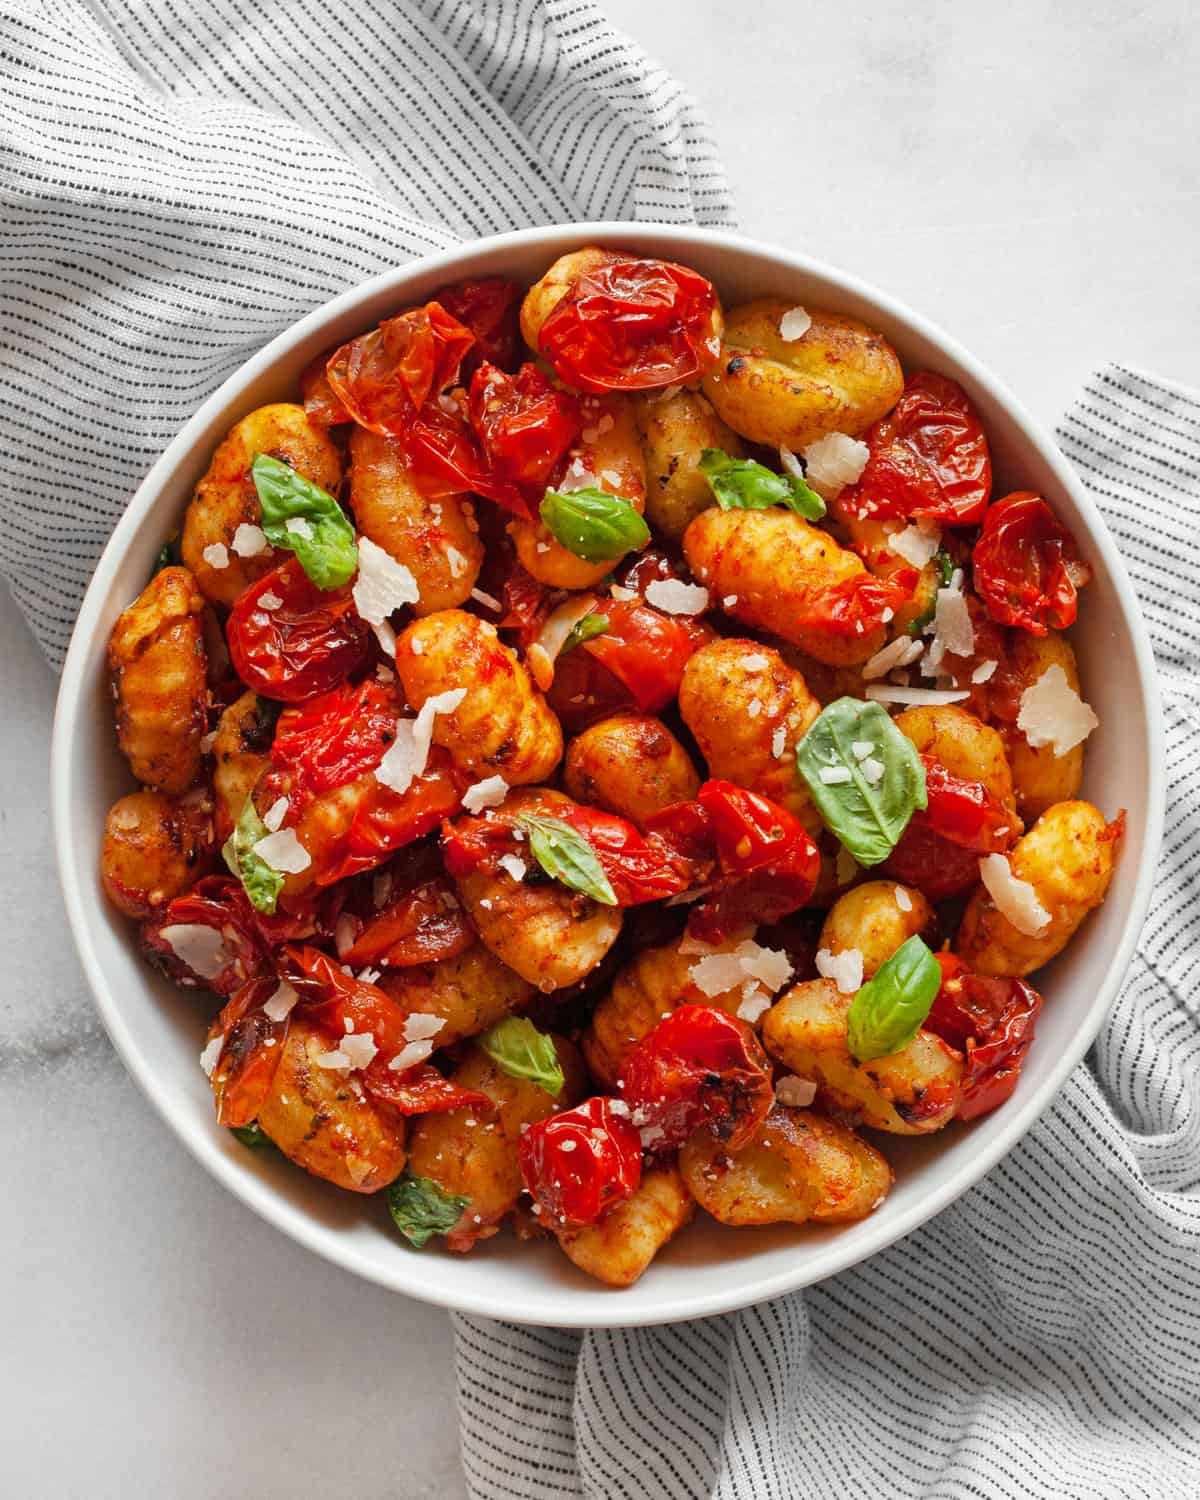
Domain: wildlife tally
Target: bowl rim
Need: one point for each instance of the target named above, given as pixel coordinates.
(79, 885)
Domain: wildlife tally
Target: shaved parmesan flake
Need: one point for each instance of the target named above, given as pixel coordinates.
(872, 770)
(983, 672)
(755, 1004)
(419, 1027)
(408, 754)
(797, 1093)
(834, 461)
(729, 601)
(512, 865)
(754, 708)
(211, 1055)
(275, 814)
(779, 743)
(881, 692)
(279, 1005)
(677, 598)
(794, 324)
(249, 540)
(622, 595)
(1053, 713)
(790, 463)
(845, 969)
(336, 1061)
(835, 775)
(383, 585)
(298, 526)
(1015, 899)
(916, 544)
(952, 622)
(560, 622)
(755, 662)
(719, 972)
(216, 555)
(903, 899)
(489, 601)
(897, 653)
(489, 793)
(269, 600)
(458, 563)
(201, 948)
(360, 1049)
(284, 852)
(409, 1056)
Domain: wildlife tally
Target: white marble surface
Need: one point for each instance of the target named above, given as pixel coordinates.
(1028, 175)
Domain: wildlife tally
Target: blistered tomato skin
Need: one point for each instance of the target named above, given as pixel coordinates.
(1027, 568)
(577, 1164)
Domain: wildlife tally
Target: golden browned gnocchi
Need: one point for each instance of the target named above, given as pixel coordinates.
(1041, 777)
(467, 992)
(1066, 860)
(154, 848)
(544, 295)
(222, 543)
(675, 429)
(502, 725)
(910, 1092)
(241, 753)
(874, 919)
(437, 540)
(766, 568)
(157, 663)
(748, 711)
(799, 1166)
(617, 1249)
(325, 1122)
(963, 744)
(630, 764)
(837, 375)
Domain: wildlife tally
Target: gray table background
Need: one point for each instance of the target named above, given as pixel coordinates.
(1027, 175)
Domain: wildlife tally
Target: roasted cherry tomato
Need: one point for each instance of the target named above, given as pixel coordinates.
(301, 647)
(769, 865)
(250, 1054)
(322, 405)
(859, 604)
(336, 737)
(219, 904)
(423, 1091)
(630, 325)
(964, 811)
(699, 1066)
(386, 376)
(584, 692)
(490, 306)
(578, 1163)
(646, 651)
(929, 459)
(931, 863)
(992, 1021)
(418, 925)
(524, 426)
(1026, 566)
(385, 821)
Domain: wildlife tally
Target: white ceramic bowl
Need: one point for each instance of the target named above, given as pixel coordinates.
(158, 1029)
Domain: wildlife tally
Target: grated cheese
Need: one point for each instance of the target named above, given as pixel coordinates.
(882, 692)
(755, 662)
(409, 1056)
(275, 814)
(283, 851)
(269, 600)
(216, 555)
(755, 1004)
(835, 775)
(952, 622)
(458, 563)
(833, 462)
(754, 708)
(983, 672)
(211, 1055)
(897, 653)
(721, 971)
(916, 544)
(790, 462)
(249, 540)
(298, 526)
(408, 754)
(513, 866)
(360, 1049)
(419, 1027)
(383, 585)
(796, 1093)
(336, 1061)
(872, 770)
(845, 969)
(489, 601)
(1053, 713)
(201, 948)
(677, 598)
(903, 899)
(1014, 898)
(489, 793)
(779, 743)
(794, 324)
(729, 601)
(278, 1006)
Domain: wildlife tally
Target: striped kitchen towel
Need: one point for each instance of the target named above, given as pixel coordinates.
(178, 185)
(1038, 1340)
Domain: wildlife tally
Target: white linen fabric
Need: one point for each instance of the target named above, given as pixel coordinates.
(1039, 1338)
(180, 183)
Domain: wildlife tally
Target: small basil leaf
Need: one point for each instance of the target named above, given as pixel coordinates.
(586, 629)
(319, 534)
(567, 856)
(888, 1010)
(944, 564)
(420, 1209)
(868, 816)
(260, 882)
(516, 1045)
(252, 1135)
(742, 484)
(593, 525)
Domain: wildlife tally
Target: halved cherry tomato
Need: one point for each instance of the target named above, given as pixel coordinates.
(964, 811)
(699, 1066)
(630, 325)
(490, 307)
(929, 458)
(420, 925)
(250, 1055)
(524, 426)
(303, 646)
(336, 737)
(931, 863)
(579, 1163)
(385, 377)
(322, 405)
(1026, 566)
(422, 1091)
(385, 821)
(992, 1021)
(859, 604)
(220, 903)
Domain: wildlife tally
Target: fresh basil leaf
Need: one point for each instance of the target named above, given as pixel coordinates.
(586, 629)
(320, 534)
(420, 1209)
(868, 816)
(168, 556)
(252, 1135)
(888, 1010)
(742, 484)
(593, 525)
(944, 564)
(260, 882)
(516, 1045)
(567, 856)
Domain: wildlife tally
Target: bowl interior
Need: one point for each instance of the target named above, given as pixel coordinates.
(159, 1029)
